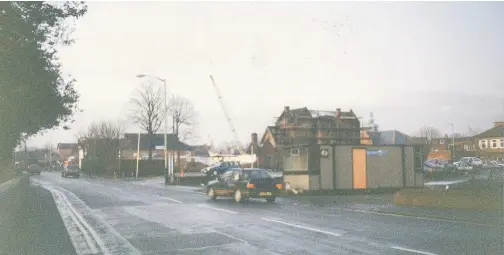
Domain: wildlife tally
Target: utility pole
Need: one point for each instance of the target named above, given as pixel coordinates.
(138, 155)
(453, 142)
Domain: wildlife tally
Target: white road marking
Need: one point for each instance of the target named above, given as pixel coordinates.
(217, 209)
(230, 236)
(170, 199)
(302, 227)
(120, 190)
(419, 217)
(412, 250)
(143, 194)
(78, 218)
(99, 185)
(70, 219)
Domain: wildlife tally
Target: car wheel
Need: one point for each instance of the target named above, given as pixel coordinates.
(270, 199)
(238, 196)
(211, 193)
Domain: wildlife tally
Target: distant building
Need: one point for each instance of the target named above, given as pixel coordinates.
(490, 143)
(155, 142)
(66, 150)
(389, 137)
(302, 126)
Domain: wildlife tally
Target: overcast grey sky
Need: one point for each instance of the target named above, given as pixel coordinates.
(411, 64)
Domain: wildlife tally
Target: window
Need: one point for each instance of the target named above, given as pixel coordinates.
(441, 141)
(494, 143)
(227, 175)
(502, 143)
(294, 151)
(467, 147)
(255, 174)
(483, 144)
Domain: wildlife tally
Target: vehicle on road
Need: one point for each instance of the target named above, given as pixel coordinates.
(463, 167)
(242, 184)
(213, 172)
(71, 170)
(473, 161)
(34, 169)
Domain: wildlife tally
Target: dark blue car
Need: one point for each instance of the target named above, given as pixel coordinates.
(218, 169)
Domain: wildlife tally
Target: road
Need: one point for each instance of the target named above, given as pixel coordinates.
(123, 217)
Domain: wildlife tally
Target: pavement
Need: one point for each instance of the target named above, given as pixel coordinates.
(30, 223)
(105, 216)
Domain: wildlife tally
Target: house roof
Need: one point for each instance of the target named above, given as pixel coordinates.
(493, 132)
(389, 137)
(67, 146)
(311, 113)
(157, 140)
(201, 150)
(321, 113)
(274, 134)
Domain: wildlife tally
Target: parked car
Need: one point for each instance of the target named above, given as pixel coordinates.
(463, 167)
(242, 184)
(495, 164)
(71, 170)
(217, 170)
(34, 169)
(473, 161)
(438, 165)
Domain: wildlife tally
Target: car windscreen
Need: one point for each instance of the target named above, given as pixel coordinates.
(256, 174)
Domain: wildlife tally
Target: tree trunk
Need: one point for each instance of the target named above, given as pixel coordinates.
(178, 160)
(150, 146)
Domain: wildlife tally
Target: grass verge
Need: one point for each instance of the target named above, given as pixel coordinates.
(6, 174)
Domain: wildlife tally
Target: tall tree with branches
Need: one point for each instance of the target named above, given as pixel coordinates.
(101, 142)
(32, 83)
(429, 134)
(148, 111)
(183, 116)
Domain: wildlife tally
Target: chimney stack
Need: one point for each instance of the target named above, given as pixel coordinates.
(338, 112)
(499, 124)
(286, 108)
(254, 138)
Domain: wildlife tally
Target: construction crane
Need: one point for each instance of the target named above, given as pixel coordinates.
(228, 118)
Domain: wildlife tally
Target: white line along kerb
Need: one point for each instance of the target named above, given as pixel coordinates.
(169, 199)
(66, 210)
(412, 250)
(302, 227)
(217, 209)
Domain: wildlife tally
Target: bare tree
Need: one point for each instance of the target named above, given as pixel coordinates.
(101, 142)
(183, 116)
(148, 110)
(429, 133)
(471, 132)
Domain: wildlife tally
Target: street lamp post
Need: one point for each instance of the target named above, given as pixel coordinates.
(170, 174)
(453, 142)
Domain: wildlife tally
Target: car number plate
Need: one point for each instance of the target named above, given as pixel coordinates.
(264, 193)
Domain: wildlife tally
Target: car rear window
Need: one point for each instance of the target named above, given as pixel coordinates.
(256, 174)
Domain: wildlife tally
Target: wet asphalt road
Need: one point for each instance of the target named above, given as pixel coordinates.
(154, 219)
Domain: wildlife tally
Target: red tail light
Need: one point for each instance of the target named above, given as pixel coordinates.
(279, 186)
(250, 186)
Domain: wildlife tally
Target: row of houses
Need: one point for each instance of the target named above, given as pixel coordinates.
(319, 149)
(488, 144)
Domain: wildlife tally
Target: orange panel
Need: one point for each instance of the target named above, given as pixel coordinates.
(359, 169)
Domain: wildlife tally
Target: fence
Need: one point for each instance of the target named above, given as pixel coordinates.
(127, 168)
